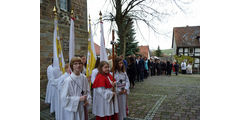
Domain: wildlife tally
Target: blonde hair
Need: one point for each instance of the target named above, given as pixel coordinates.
(75, 59)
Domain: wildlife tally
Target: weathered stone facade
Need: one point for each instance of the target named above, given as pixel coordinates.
(47, 27)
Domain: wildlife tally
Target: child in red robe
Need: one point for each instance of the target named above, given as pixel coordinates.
(105, 104)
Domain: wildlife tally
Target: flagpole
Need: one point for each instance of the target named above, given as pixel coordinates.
(113, 56)
(89, 44)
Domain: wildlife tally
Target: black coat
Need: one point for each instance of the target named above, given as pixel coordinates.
(163, 66)
(131, 71)
(140, 65)
(152, 65)
(158, 66)
(169, 66)
(176, 66)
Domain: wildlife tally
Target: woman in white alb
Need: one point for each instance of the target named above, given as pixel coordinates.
(75, 93)
(122, 87)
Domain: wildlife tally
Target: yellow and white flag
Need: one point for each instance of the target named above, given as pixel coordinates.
(58, 59)
(91, 56)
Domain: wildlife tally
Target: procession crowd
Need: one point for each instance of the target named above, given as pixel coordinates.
(71, 94)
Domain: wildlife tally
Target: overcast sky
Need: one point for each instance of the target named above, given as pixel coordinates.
(148, 37)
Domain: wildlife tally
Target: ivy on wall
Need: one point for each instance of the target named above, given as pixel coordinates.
(180, 59)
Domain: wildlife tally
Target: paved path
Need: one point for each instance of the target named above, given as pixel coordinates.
(165, 98)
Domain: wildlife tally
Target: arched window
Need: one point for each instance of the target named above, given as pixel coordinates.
(65, 5)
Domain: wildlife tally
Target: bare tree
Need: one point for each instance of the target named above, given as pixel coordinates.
(149, 12)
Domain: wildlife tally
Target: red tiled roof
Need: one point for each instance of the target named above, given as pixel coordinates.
(186, 36)
(97, 49)
(143, 50)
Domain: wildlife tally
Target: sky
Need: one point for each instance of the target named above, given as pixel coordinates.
(144, 35)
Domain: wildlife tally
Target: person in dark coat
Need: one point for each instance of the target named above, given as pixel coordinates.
(131, 71)
(158, 67)
(141, 62)
(163, 67)
(152, 67)
(176, 66)
(137, 63)
(140, 68)
(169, 68)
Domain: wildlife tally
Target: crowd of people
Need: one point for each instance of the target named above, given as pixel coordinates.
(71, 93)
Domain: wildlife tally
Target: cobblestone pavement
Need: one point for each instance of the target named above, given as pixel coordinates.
(166, 98)
(163, 98)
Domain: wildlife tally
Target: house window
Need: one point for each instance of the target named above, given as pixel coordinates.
(196, 65)
(197, 54)
(186, 50)
(196, 60)
(180, 50)
(197, 49)
(64, 5)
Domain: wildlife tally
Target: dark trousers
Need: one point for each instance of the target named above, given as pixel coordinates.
(183, 71)
(132, 81)
(141, 75)
(152, 72)
(145, 73)
(158, 71)
(169, 72)
(176, 72)
(138, 76)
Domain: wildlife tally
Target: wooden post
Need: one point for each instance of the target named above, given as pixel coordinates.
(113, 56)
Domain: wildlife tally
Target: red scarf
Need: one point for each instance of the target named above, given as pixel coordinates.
(102, 81)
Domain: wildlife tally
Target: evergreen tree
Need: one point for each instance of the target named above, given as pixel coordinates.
(158, 52)
(131, 44)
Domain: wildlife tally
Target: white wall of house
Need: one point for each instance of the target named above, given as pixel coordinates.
(174, 47)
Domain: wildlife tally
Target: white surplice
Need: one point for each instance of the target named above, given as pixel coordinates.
(103, 104)
(58, 83)
(54, 83)
(94, 74)
(51, 90)
(48, 90)
(122, 83)
(73, 88)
